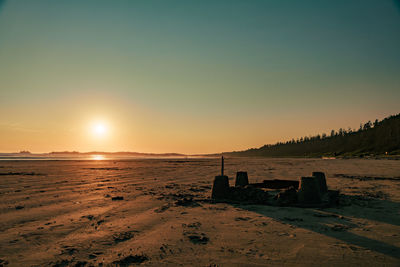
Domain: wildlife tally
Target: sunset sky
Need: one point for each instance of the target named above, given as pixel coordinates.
(192, 76)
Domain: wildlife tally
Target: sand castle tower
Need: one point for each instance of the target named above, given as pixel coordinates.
(241, 179)
(220, 189)
(309, 190)
(321, 181)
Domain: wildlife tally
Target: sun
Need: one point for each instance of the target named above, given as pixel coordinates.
(99, 129)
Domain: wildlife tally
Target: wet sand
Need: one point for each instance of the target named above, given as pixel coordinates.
(157, 212)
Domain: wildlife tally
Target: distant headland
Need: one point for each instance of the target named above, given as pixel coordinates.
(378, 138)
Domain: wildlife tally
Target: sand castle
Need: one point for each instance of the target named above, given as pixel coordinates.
(311, 191)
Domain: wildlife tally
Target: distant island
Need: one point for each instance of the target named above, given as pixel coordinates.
(76, 154)
(119, 154)
(371, 139)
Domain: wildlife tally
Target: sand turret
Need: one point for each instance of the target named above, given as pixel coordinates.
(309, 192)
(321, 181)
(241, 179)
(220, 189)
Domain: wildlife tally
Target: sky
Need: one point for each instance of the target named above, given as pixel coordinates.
(192, 76)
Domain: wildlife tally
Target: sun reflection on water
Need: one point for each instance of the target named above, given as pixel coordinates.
(97, 157)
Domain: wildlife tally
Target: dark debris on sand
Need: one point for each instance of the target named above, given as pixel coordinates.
(162, 208)
(132, 259)
(89, 217)
(180, 199)
(187, 202)
(3, 262)
(20, 173)
(195, 237)
(195, 225)
(121, 237)
(198, 239)
(365, 178)
(69, 263)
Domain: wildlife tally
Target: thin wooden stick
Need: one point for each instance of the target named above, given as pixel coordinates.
(222, 166)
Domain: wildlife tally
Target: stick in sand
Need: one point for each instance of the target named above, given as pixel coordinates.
(222, 166)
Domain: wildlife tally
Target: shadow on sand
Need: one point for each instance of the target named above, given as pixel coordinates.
(339, 221)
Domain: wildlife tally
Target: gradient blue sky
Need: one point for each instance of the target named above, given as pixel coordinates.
(192, 76)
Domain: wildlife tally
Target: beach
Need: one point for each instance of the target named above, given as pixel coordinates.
(158, 212)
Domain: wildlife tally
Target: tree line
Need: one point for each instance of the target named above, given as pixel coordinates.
(371, 138)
